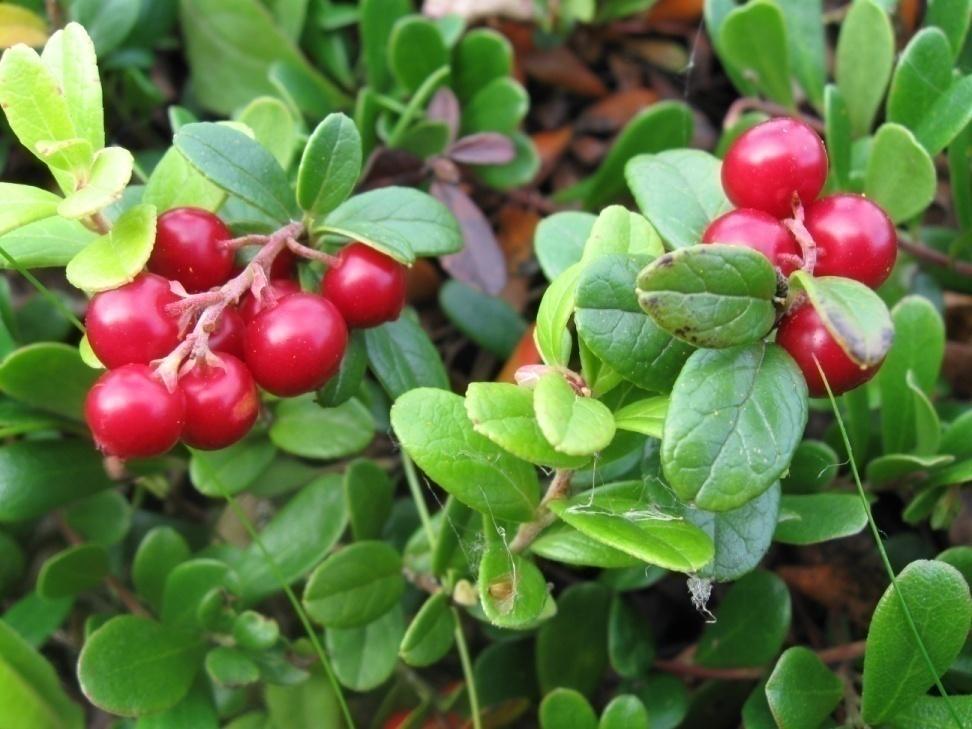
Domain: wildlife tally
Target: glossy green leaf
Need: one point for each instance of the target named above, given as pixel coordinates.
(133, 666)
(559, 241)
(187, 587)
(416, 49)
(560, 542)
(565, 708)
(900, 175)
(618, 230)
(431, 633)
(330, 165)
(710, 295)
(679, 192)
(110, 173)
(625, 712)
(301, 706)
(434, 430)
(304, 428)
(807, 45)
(159, 552)
(365, 657)
(751, 624)
(118, 256)
(571, 423)
(812, 518)
(175, 183)
(814, 466)
(513, 591)
(23, 204)
(571, 649)
(402, 357)
(893, 466)
(553, 340)
(631, 645)
(932, 712)
(49, 377)
(953, 17)
(273, 126)
(643, 416)
(802, 691)
(45, 243)
(69, 56)
(865, 54)
(753, 39)
(36, 619)
(108, 21)
(922, 75)
(253, 631)
(895, 673)
(723, 403)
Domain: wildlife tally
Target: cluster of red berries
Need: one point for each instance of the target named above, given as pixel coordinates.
(277, 337)
(773, 174)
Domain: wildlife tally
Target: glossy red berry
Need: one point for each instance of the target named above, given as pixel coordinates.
(279, 287)
(222, 403)
(228, 335)
(366, 286)
(802, 333)
(854, 238)
(771, 162)
(130, 323)
(759, 231)
(132, 414)
(188, 249)
(284, 265)
(295, 346)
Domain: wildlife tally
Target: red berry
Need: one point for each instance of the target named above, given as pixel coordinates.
(802, 333)
(132, 414)
(278, 288)
(284, 265)
(130, 324)
(228, 335)
(759, 231)
(188, 249)
(771, 162)
(366, 286)
(295, 346)
(222, 403)
(854, 239)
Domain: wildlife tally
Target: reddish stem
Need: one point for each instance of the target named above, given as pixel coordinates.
(803, 238)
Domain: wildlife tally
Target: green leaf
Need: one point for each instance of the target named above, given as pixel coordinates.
(49, 242)
(837, 130)
(922, 75)
(23, 204)
(109, 21)
(195, 710)
(487, 320)
(253, 631)
(49, 377)
(238, 165)
(303, 706)
(807, 45)
(159, 552)
(304, 428)
(118, 256)
(346, 383)
(378, 17)
(735, 419)
(35, 619)
(952, 16)
(499, 106)
(33, 697)
(504, 413)
(751, 624)
(854, 315)
(365, 657)
(433, 429)
(553, 340)
(571, 423)
(482, 55)
(919, 346)
(628, 526)
(110, 172)
(72, 571)
(416, 49)
(894, 466)
(399, 221)
(947, 117)
(174, 183)
(611, 323)
(643, 416)
(571, 651)
(802, 691)
(133, 666)
(625, 712)
(559, 241)
(368, 492)
(753, 39)
(711, 295)
(895, 673)
(40, 475)
(231, 667)
(560, 542)
(330, 165)
(431, 633)
(679, 192)
(188, 586)
(402, 357)
(932, 712)
(564, 708)
(900, 175)
(512, 590)
(618, 230)
(228, 471)
(814, 466)
(631, 645)
(812, 518)
(273, 126)
(865, 54)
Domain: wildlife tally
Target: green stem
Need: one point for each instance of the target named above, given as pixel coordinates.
(422, 95)
(295, 603)
(413, 485)
(393, 105)
(884, 554)
(43, 290)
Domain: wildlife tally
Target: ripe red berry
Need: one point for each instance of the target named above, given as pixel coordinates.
(278, 288)
(222, 403)
(366, 286)
(759, 231)
(132, 414)
(854, 238)
(130, 324)
(771, 162)
(228, 335)
(295, 346)
(188, 249)
(284, 265)
(802, 333)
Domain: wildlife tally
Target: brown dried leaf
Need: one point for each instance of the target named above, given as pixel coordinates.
(685, 11)
(550, 147)
(560, 67)
(422, 282)
(612, 112)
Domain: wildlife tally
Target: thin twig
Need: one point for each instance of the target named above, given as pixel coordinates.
(937, 258)
(526, 533)
(749, 103)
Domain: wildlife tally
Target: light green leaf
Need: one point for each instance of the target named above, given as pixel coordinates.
(933, 712)
(802, 691)
(947, 117)
(865, 54)
(618, 230)
(365, 657)
(416, 49)
(922, 75)
(643, 416)
(513, 592)
(174, 183)
(273, 126)
(807, 45)
(118, 256)
(431, 633)
(953, 17)
(69, 56)
(900, 175)
(330, 165)
(110, 172)
(565, 708)
(481, 56)
(23, 204)
(753, 39)
(45, 243)
(573, 424)
(559, 241)
(837, 131)
(553, 340)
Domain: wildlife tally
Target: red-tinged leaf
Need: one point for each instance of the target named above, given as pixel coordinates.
(480, 263)
(444, 107)
(484, 148)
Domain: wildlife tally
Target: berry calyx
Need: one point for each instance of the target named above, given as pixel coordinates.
(854, 238)
(131, 414)
(773, 164)
(366, 286)
(276, 290)
(228, 334)
(759, 231)
(802, 333)
(188, 249)
(130, 324)
(222, 402)
(295, 346)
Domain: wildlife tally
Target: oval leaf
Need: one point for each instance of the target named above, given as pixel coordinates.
(118, 256)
